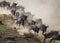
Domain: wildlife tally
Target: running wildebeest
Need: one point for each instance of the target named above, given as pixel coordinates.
(22, 19)
(4, 4)
(55, 37)
(35, 28)
(50, 34)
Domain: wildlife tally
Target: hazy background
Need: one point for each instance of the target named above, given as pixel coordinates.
(48, 10)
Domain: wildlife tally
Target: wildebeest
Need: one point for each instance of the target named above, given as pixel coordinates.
(22, 19)
(4, 4)
(42, 26)
(55, 37)
(50, 34)
(34, 27)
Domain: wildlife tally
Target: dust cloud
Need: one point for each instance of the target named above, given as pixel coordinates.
(48, 10)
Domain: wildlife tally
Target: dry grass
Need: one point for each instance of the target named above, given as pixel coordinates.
(6, 30)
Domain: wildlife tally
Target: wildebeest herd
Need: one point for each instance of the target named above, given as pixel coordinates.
(22, 18)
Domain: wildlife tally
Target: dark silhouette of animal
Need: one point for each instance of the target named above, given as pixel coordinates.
(0, 36)
(22, 20)
(55, 37)
(50, 34)
(4, 4)
(1, 23)
(43, 28)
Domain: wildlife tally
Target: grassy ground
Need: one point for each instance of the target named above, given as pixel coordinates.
(5, 30)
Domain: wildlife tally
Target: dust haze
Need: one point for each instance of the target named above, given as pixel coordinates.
(48, 10)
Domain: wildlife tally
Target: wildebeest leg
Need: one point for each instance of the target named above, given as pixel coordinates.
(22, 22)
(25, 23)
(19, 23)
(43, 32)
